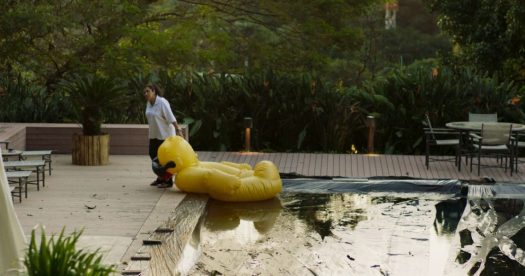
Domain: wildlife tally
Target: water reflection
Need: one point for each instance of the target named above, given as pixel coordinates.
(363, 234)
(191, 251)
(322, 212)
(247, 220)
(448, 213)
(491, 238)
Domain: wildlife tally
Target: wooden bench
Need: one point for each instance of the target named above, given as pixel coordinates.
(43, 154)
(35, 165)
(20, 177)
(11, 153)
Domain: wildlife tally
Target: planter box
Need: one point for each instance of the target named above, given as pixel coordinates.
(92, 150)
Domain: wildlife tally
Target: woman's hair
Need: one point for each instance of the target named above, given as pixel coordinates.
(155, 88)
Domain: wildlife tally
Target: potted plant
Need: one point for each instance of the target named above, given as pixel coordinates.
(92, 97)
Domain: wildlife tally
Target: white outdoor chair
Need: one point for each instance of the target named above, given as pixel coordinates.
(493, 141)
(518, 141)
(479, 117)
(485, 117)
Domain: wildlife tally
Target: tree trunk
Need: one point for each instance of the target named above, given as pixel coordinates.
(90, 150)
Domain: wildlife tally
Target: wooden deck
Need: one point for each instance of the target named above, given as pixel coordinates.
(363, 166)
(130, 140)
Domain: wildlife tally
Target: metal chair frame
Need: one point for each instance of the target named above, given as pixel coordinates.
(434, 137)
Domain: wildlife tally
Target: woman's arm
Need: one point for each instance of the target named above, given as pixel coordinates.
(178, 129)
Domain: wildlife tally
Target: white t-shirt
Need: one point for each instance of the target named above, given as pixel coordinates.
(160, 119)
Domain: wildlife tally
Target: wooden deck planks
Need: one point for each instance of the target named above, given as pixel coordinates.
(362, 165)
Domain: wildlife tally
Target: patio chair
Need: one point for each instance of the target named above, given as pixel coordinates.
(518, 141)
(493, 141)
(479, 117)
(440, 137)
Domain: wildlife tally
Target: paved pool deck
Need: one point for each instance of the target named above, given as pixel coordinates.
(113, 205)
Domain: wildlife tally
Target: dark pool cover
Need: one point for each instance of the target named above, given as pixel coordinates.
(349, 185)
(497, 190)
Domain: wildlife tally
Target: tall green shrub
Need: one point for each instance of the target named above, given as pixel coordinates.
(447, 96)
(23, 101)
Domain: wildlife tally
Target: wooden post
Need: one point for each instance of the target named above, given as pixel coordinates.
(247, 138)
(371, 123)
(248, 124)
(90, 150)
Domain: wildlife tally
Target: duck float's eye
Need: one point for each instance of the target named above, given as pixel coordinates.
(170, 165)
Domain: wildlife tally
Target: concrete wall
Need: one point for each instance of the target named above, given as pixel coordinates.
(15, 134)
(125, 139)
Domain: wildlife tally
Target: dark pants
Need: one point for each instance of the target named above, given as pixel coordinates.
(164, 178)
(154, 145)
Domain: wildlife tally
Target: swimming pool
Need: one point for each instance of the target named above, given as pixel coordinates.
(363, 227)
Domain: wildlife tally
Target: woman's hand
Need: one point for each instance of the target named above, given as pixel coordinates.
(178, 130)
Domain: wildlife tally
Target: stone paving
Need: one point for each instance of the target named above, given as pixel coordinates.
(113, 205)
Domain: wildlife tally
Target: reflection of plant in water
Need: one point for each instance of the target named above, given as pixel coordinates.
(448, 213)
(322, 212)
(389, 199)
(307, 208)
(493, 240)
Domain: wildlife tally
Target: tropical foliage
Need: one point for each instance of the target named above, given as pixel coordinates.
(307, 72)
(446, 94)
(22, 101)
(52, 256)
(93, 98)
(488, 34)
(48, 40)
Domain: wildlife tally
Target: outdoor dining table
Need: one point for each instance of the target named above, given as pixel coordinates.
(465, 127)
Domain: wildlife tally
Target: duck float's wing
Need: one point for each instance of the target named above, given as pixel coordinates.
(264, 184)
(240, 166)
(192, 180)
(207, 180)
(228, 167)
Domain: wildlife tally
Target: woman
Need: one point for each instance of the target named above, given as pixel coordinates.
(162, 124)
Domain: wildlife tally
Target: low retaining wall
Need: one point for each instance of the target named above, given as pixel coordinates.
(125, 139)
(15, 134)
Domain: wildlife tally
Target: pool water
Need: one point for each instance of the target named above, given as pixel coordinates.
(327, 234)
(363, 228)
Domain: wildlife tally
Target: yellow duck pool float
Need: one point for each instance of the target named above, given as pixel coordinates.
(224, 181)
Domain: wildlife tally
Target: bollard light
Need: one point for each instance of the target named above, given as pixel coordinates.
(248, 125)
(371, 124)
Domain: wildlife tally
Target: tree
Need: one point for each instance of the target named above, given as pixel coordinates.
(489, 34)
(415, 37)
(46, 40)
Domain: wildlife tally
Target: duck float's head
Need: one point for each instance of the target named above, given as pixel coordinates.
(178, 150)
